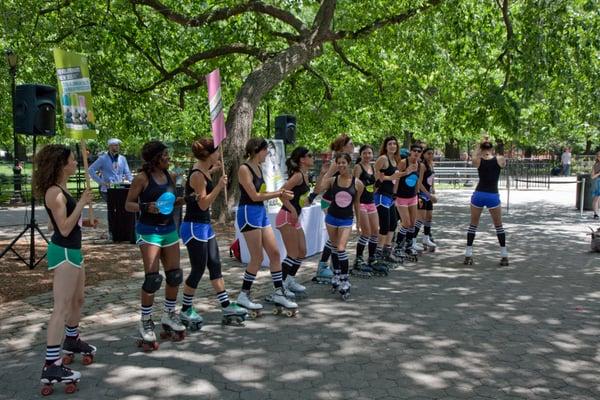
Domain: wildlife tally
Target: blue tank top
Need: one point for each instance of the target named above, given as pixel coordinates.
(259, 186)
(149, 195)
(73, 239)
(193, 212)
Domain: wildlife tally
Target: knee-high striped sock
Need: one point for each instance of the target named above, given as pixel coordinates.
(187, 302)
(52, 354)
(326, 251)
(343, 260)
(501, 233)
(146, 310)
(286, 267)
(418, 226)
(223, 298)
(277, 280)
(248, 280)
(373, 246)
(296, 263)
(427, 228)
(471, 231)
(410, 233)
(335, 258)
(360, 246)
(71, 331)
(169, 304)
(401, 235)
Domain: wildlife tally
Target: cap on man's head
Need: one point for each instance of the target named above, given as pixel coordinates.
(113, 141)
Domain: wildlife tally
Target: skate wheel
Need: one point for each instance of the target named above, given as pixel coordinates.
(70, 388)
(290, 313)
(165, 335)
(87, 359)
(47, 390)
(275, 311)
(255, 314)
(68, 359)
(179, 336)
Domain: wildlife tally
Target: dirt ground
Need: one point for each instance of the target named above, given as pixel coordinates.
(102, 262)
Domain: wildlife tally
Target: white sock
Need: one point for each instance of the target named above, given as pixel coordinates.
(469, 251)
(503, 252)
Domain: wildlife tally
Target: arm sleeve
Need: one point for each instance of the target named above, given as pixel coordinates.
(93, 169)
(126, 170)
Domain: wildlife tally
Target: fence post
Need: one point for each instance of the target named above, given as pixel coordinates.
(581, 196)
(507, 193)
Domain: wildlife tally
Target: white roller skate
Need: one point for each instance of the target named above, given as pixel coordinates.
(428, 244)
(335, 283)
(416, 246)
(283, 305)
(344, 289)
(324, 274)
(503, 257)
(244, 300)
(234, 314)
(146, 336)
(58, 373)
(290, 284)
(468, 256)
(191, 319)
(172, 327)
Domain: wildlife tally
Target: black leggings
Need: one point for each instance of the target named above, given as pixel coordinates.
(203, 254)
(388, 219)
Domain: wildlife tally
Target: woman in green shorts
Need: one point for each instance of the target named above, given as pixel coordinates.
(158, 240)
(55, 163)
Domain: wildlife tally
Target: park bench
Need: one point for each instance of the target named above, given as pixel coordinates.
(456, 175)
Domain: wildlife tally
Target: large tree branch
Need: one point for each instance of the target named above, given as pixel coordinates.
(505, 58)
(131, 42)
(328, 90)
(221, 14)
(360, 69)
(323, 19)
(383, 22)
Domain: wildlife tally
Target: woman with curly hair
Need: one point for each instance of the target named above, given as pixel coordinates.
(55, 163)
(158, 240)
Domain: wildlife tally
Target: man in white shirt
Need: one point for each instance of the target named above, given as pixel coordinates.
(565, 160)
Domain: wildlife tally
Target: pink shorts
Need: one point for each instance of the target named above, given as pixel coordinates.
(406, 202)
(285, 217)
(368, 208)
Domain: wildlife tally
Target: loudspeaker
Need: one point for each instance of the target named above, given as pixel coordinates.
(34, 112)
(285, 128)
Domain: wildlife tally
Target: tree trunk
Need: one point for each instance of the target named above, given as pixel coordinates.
(241, 114)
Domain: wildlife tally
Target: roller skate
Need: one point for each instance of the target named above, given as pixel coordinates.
(254, 309)
(335, 283)
(417, 247)
(361, 269)
(428, 244)
(234, 315)
(191, 319)
(291, 285)
(324, 274)
(344, 289)
(146, 337)
(378, 267)
(468, 256)
(58, 373)
(504, 262)
(172, 327)
(283, 305)
(73, 345)
(411, 254)
(393, 261)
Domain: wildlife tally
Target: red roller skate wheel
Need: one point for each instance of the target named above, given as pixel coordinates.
(68, 359)
(70, 388)
(87, 359)
(155, 346)
(47, 390)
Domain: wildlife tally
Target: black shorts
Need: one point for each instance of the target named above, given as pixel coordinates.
(423, 204)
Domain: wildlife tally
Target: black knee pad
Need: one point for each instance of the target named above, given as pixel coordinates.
(152, 282)
(174, 277)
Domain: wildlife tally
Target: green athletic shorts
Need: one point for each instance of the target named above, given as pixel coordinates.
(158, 239)
(58, 255)
(325, 204)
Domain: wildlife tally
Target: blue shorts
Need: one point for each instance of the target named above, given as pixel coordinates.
(251, 217)
(485, 199)
(596, 188)
(338, 222)
(197, 231)
(383, 200)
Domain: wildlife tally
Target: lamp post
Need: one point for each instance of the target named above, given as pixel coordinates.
(12, 60)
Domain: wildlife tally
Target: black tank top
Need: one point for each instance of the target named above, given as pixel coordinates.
(73, 239)
(152, 192)
(342, 200)
(428, 177)
(407, 185)
(489, 174)
(387, 187)
(258, 182)
(299, 198)
(193, 212)
(369, 181)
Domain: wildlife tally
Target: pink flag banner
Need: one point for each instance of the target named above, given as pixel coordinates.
(215, 103)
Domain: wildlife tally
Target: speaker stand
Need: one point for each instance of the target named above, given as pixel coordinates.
(32, 227)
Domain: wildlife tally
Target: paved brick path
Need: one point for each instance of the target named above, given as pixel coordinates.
(432, 330)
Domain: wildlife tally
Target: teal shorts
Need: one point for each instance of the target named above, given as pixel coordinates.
(58, 255)
(158, 239)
